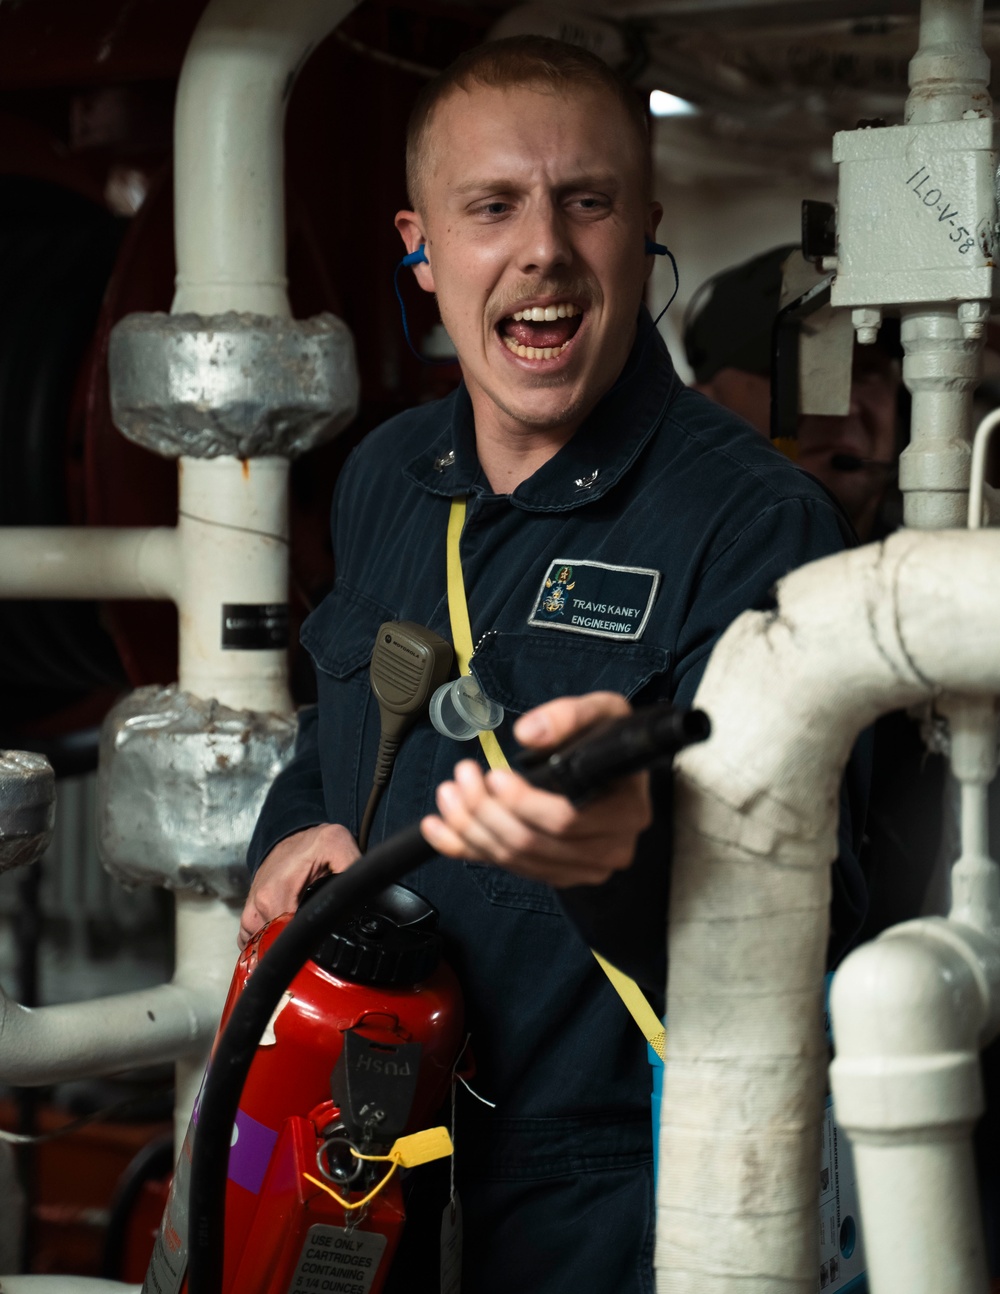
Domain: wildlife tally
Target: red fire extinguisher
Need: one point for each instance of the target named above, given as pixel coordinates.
(359, 1053)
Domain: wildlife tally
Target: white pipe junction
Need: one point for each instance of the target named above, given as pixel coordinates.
(230, 545)
(853, 636)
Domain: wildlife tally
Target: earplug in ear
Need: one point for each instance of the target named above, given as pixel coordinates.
(419, 257)
(655, 249)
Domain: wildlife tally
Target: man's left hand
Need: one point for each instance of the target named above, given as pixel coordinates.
(498, 817)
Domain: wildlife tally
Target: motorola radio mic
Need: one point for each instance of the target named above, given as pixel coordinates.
(409, 663)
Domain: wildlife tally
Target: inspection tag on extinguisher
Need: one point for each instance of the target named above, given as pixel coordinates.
(451, 1247)
(334, 1258)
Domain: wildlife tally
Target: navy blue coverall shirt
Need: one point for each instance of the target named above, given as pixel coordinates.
(616, 566)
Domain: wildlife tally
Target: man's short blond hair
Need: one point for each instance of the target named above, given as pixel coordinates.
(514, 61)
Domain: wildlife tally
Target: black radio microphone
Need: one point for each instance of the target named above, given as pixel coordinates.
(409, 662)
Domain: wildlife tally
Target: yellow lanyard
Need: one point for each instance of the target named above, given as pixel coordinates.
(461, 635)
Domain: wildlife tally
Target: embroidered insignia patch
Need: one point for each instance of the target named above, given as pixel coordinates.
(594, 598)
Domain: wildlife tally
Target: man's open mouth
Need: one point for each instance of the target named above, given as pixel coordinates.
(541, 332)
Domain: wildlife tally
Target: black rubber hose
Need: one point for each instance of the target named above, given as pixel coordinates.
(578, 769)
(235, 1050)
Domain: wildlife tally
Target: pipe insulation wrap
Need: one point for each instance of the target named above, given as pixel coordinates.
(241, 385)
(181, 782)
(853, 636)
(228, 150)
(27, 807)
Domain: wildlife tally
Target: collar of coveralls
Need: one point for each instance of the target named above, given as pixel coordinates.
(591, 463)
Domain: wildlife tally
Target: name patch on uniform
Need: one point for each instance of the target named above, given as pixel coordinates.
(594, 598)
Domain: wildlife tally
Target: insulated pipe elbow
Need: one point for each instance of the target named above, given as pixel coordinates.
(788, 691)
(229, 151)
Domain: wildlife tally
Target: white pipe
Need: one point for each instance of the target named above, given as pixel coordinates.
(52, 1044)
(228, 150)
(949, 76)
(975, 877)
(205, 955)
(977, 477)
(949, 73)
(910, 1014)
(62, 1284)
(941, 367)
(87, 562)
(233, 526)
(230, 548)
(853, 636)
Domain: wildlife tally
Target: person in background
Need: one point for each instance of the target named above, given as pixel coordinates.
(728, 341)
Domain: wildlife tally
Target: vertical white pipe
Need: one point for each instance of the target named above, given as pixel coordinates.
(206, 931)
(228, 150)
(233, 528)
(949, 73)
(895, 1197)
(941, 367)
(949, 76)
(910, 1012)
(975, 877)
(230, 244)
(977, 478)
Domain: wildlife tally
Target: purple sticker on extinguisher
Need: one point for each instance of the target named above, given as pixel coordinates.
(250, 1155)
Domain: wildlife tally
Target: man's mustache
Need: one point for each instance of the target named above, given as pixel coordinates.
(580, 291)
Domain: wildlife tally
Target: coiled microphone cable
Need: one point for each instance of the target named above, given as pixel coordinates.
(579, 769)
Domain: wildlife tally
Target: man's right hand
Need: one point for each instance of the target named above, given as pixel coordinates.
(292, 864)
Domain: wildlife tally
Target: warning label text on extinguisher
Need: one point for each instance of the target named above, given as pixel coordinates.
(337, 1261)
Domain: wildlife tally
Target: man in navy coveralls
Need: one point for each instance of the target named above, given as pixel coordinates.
(616, 524)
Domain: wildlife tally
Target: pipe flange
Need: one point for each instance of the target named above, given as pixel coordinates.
(181, 781)
(27, 807)
(239, 385)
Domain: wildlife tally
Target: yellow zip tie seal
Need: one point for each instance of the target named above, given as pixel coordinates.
(422, 1147)
(407, 1152)
(352, 1204)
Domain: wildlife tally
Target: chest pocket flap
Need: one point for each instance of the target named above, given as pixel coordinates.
(522, 670)
(340, 634)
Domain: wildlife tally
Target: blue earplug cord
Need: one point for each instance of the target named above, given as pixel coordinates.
(418, 257)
